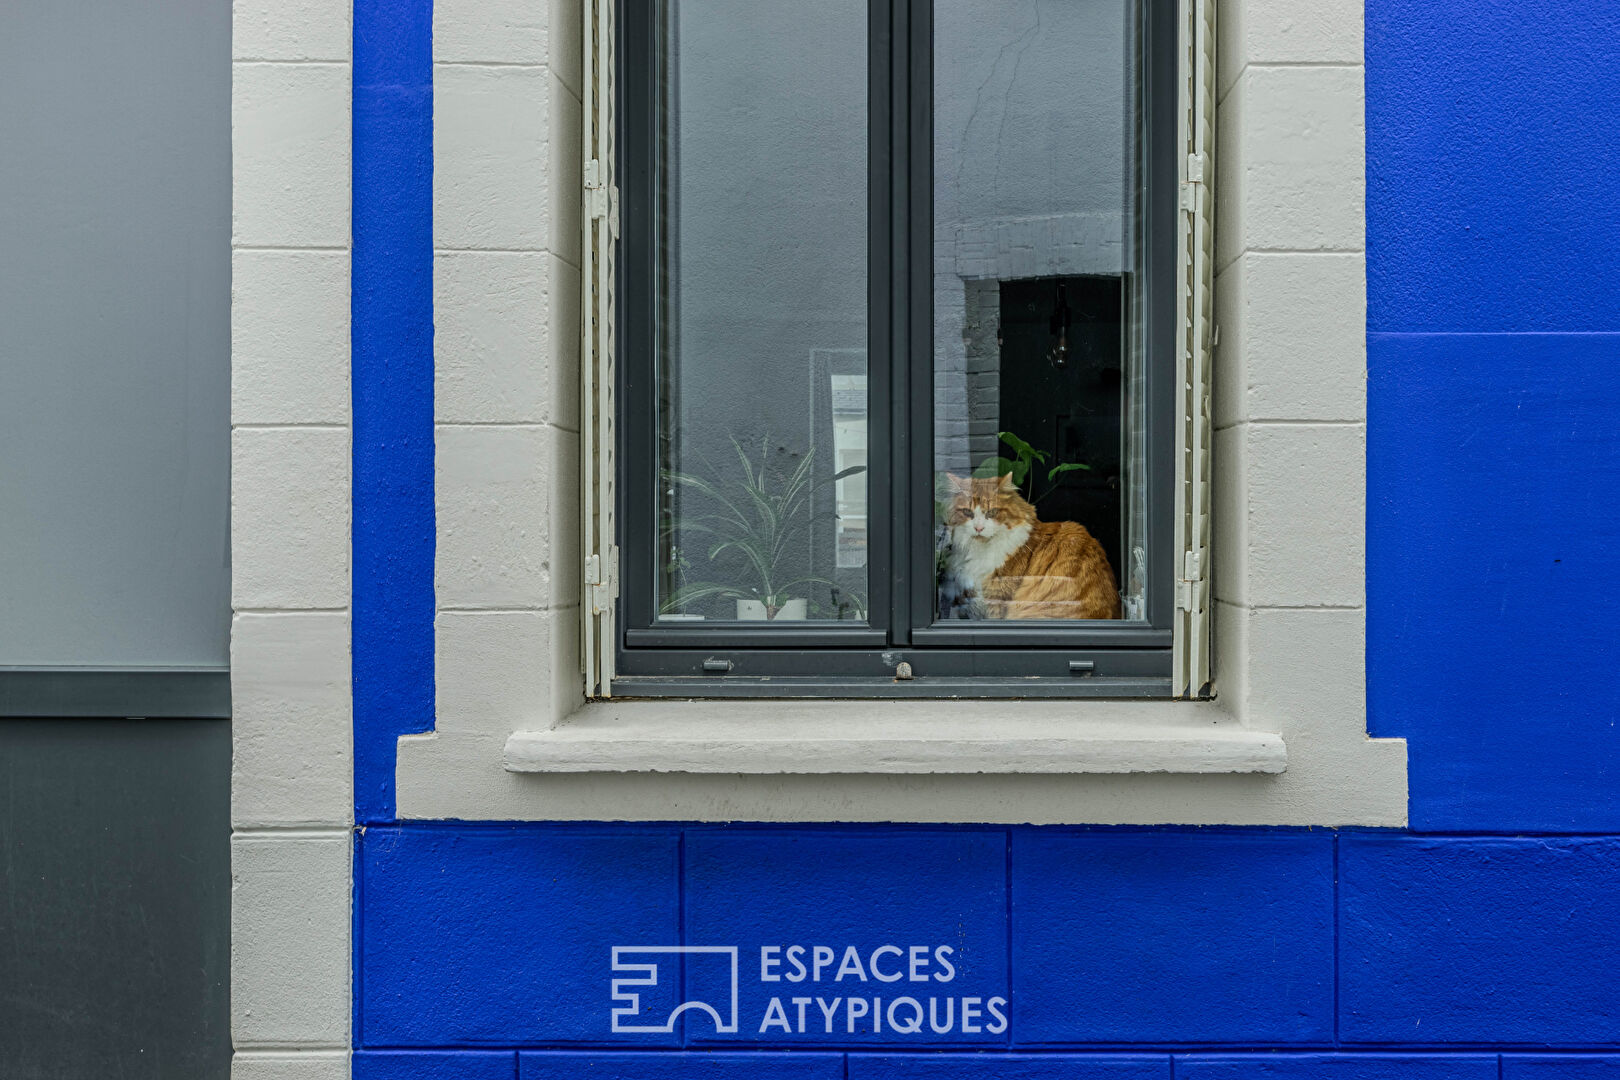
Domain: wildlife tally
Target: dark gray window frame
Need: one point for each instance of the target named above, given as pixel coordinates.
(1000, 660)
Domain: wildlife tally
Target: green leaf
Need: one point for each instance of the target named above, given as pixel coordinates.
(991, 468)
(1020, 447)
(1000, 466)
(1066, 467)
(1023, 449)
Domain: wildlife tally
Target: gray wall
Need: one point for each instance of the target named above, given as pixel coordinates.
(114, 332)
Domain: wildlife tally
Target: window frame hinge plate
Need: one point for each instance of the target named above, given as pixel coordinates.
(601, 197)
(1192, 585)
(1194, 179)
(602, 580)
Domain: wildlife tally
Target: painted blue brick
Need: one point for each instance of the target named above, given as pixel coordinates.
(1562, 1067)
(503, 935)
(434, 1065)
(1172, 937)
(1008, 1067)
(1493, 620)
(1491, 941)
(1493, 166)
(860, 889)
(392, 373)
(1337, 1067)
(686, 1066)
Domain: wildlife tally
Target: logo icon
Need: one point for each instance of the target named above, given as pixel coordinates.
(627, 1000)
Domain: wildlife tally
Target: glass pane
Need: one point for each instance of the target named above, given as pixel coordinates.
(761, 311)
(1038, 395)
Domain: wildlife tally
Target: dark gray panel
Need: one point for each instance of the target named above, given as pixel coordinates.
(133, 693)
(114, 332)
(115, 856)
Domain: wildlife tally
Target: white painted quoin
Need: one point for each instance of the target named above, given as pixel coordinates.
(1283, 742)
(292, 802)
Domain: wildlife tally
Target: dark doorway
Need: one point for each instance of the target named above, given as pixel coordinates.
(1061, 390)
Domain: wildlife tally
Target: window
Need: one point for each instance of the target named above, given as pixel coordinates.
(909, 363)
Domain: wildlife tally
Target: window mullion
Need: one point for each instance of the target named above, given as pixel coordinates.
(903, 449)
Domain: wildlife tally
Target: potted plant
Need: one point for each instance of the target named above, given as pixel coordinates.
(756, 519)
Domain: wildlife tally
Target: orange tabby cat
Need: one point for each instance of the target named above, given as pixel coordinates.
(1022, 568)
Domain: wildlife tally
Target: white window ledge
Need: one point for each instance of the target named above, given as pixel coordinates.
(778, 737)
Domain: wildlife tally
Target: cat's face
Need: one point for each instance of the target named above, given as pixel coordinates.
(985, 510)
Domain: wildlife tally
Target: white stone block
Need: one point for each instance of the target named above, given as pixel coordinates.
(1306, 515)
(563, 515)
(509, 32)
(290, 941)
(290, 1065)
(290, 518)
(499, 672)
(1307, 673)
(494, 185)
(291, 30)
(290, 155)
(1229, 523)
(291, 720)
(566, 43)
(1293, 342)
(1231, 179)
(1287, 32)
(508, 521)
(506, 338)
(290, 337)
(567, 168)
(1292, 159)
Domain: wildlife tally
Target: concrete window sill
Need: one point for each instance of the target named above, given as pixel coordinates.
(902, 737)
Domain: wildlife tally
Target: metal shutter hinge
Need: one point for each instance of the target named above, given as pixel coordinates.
(602, 581)
(601, 199)
(1192, 590)
(1197, 167)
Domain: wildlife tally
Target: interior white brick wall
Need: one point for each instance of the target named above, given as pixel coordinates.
(292, 772)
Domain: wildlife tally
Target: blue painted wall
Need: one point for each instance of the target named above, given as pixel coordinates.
(1482, 945)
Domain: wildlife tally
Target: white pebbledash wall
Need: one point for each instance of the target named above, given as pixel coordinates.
(1289, 403)
(291, 796)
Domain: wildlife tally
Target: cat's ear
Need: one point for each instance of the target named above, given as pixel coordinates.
(1005, 485)
(959, 484)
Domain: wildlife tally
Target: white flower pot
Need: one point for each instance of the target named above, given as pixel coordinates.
(756, 611)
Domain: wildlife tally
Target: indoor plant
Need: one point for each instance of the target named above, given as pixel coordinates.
(757, 519)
